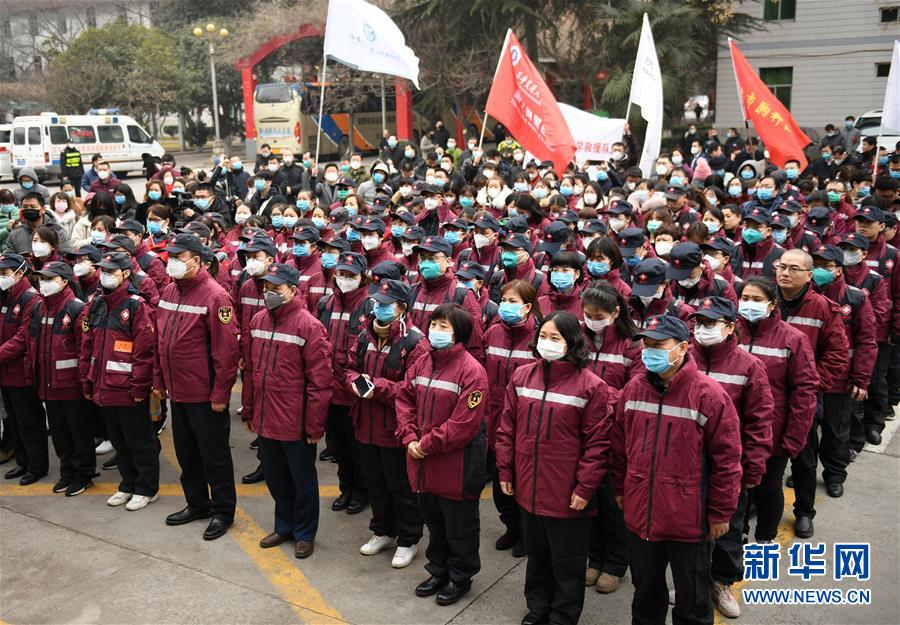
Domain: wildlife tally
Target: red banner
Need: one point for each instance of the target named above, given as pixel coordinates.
(772, 121)
(521, 101)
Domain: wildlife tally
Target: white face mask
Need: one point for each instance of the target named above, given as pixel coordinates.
(597, 325)
(110, 281)
(712, 226)
(241, 218)
(82, 268)
(287, 159)
(331, 176)
(689, 282)
(647, 300)
(852, 257)
(590, 199)
(551, 350)
(493, 192)
(407, 248)
(370, 242)
(168, 180)
(103, 175)
(40, 249)
(50, 287)
(708, 336)
(255, 267)
(663, 248)
(6, 282)
(616, 223)
(431, 203)
(345, 285)
(272, 168)
(661, 170)
(405, 191)
(481, 240)
(176, 268)
(714, 263)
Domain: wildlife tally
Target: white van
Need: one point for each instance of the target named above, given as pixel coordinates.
(38, 140)
(5, 151)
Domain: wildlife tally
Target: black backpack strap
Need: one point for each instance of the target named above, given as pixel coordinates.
(537, 280)
(324, 308)
(459, 295)
(34, 324)
(489, 311)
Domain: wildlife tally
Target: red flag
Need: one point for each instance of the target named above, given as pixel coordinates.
(521, 101)
(774, 124)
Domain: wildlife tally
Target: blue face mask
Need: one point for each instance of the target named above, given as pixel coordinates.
(656, 360)
(895, 174)
(237, 166)
(883, 160)
(864, 192)
(120, 199)
(751, 236)
(735, 191)
(520, 187)
(301, 250)
(7, 208)
(318, 222)
(510, 313)
(384, 312)
(466, 202)
(598, 268)
(719, 172)
(779, 235)
(440, 339)
(751, 191)
(352, 235)
(451, 237)
(791, 173)
(602, 175)
(562, 280)
(632, 261)
(566, 191)
(303, 205)
(259, 184)
(747, 174)
(290, 222)
(201, 203)
(154, 227)
(653, 224)
(97, 237)
(329, 260)
(277, 221)
(509, 259)
(392, 143)
(822, 276)
(378, 177)
(352, 211)
(154, 195)
(676, 180)
(27, 185)
(753, 311)
(765, 194)
(397, 231)
(429, 269)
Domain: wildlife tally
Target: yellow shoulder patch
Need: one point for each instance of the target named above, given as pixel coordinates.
(226, 314)
(85, 324)
(474, 399)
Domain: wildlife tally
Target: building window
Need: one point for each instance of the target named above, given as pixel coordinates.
(91, 17)
(882, 70)
(890, 14)
(33, 24)
(37, 62)
(779, 80)
(774, 10)
(6, 28)
(61, 26)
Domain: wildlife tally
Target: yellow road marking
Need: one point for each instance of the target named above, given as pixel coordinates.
(165, 490)
(282, 572)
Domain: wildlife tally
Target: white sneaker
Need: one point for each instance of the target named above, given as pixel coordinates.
(140, 501)
(118, 499)
(103, 448)
(672, 597)
(376, 544)
(403, 556)
(724, 600)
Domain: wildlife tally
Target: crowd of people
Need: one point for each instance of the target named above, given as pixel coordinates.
(630, 360)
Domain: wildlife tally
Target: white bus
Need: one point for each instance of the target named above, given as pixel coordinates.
(37, 141)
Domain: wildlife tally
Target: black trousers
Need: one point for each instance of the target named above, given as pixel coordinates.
(506, 504)
(554, 576)
(453, 533)
(608, 548)
(395, 511)
(346, 451)
(857, 429)
(132, 433)
(29, 428)
(690, 564)
(878, 405)
(290, 471)
(769, 499)
(71, 431)
(201, 446)
(728, 551)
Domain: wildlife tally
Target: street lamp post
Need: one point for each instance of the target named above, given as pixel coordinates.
(211, 34)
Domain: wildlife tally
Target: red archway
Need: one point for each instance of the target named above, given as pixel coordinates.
(248, 81)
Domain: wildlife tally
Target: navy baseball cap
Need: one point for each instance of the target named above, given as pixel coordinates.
(185, 242)
(387, 270)
(339, 216)
(116, 241)
(459, 224)
(517, 240)
(434, 245)
(342, 245)
(470, 270)
(758, 214)
(594, 226)
(85, 250)
(370, 224)
(57, 269)
(855, 239)
(281, 273)
(789, 206)
(648, 275)
(818, 219)
(630, 239)
(568, 217)
(431, 189)
(414, 233)
(115, 260)
(306, 233)
(390, 291)
(196, 228)
(516, 223)
(829, 252)
(780, 220)
(405, 216)
(683, 259)
(347, 182)
(662, 327)
(674, 191)
(130, 225)
(721, 244)
(716, 308)
(487, 220)
(262, 244)
(353, 262)
(869, 213)
(252, 231)
(12, 261)
(555, 235)
(621, 207)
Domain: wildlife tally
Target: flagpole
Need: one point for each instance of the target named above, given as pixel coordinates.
(737, 85)
(383, 107)
(875, 158)
(321, 107)
(499, 60)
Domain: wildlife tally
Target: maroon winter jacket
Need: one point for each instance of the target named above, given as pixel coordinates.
(884, 259)
(379, 255)
(553, 439)
(710, 285)
(289, 374)
(676, 455)
(488, 256)
(56, 329)
(506, 348)
(313, 285)
(197, 345)
(442, 405)
(613, 358)
(819, 319)
(375, 418)
(344, 317)
(151, 264)
(569, 302)
(17, 303)
(116, 356)
(145, 285)
(793, 379)
(526, 271)
(250, 300)
(429, 294)
(875, 286)
(614, 277)
(744, 378)
(758, 259)
(859, 325)
(665, 305)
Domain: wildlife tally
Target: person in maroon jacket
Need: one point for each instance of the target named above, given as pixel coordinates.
(743, 376)
(378, 363)
(146, 288)
(25, 414)
(516, 264)
(507, 346)
(57, 319)
(604, 262)
(343, 314)
(758, 252)
(291, 381)
(484, 248)
(87, 276)
(565, 284)
(676, 463)
(650, 293)
(305, 257)
(371, 237)
(442, 424)
(859, 325)
(147, 259)
(819, 319)
(196, 365)
(472, 276)
(793, 381)
(116, 368)
(553, 461)
(691, 279)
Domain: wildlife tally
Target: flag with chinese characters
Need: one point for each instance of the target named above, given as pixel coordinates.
(521, 101)
(772, 121)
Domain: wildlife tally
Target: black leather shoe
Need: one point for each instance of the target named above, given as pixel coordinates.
(803, 527)
(355, 507)
(873, 437)
(186, 516)
(216, 529)
(452, 593)
(62, 485)
(507, 541)
(431, 586)
(325, 455)
(834, 489)
(535, 619)
(15, 472)
(341, 502)
(254, 444)
(254, 477)
(789, 482)
(519, 549)
(112, 463)
(30, 478)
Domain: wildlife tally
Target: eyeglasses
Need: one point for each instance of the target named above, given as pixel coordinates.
(790, 269)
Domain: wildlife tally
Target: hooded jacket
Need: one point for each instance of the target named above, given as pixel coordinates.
(19, 239)
(21, 191)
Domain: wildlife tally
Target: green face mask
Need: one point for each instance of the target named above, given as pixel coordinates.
(509, 259)
(343, 193)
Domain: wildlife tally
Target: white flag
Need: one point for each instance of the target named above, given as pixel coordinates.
(363, 37)
(594, 136)
(647, 92)
(890, 113)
